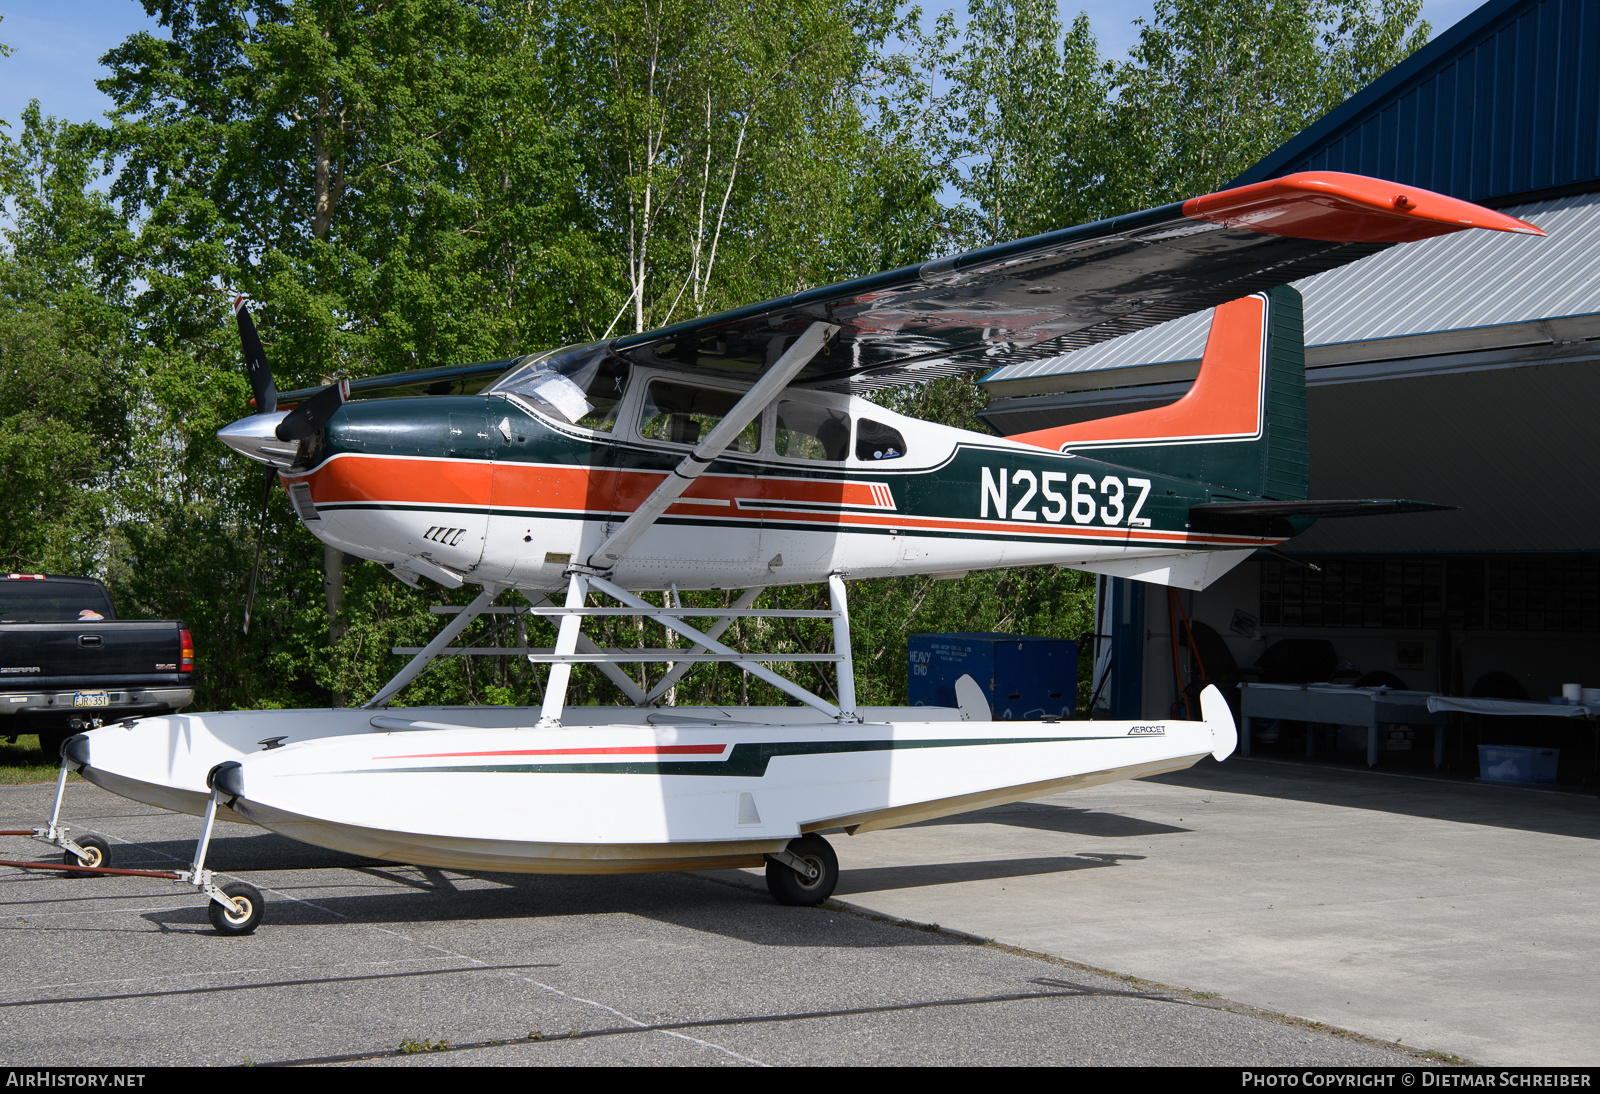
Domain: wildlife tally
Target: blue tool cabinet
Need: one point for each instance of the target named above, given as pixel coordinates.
(1023, 677)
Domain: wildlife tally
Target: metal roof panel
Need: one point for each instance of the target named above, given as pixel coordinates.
(1464, 281)
(1505, 102)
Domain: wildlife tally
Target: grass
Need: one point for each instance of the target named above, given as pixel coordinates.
(409, 1046)
(22, 762)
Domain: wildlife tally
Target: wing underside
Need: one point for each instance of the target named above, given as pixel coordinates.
(1067, 289)
(1037, 297)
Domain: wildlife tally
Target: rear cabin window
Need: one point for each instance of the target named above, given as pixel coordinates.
(876, 441)
(684, 414)
(806, 431)
(52, 601)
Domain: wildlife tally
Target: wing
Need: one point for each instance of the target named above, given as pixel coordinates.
(1066, 289)
(449, 380)
(1036, 297)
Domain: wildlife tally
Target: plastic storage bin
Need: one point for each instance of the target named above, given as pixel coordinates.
(1516, 764)
(1022, 677)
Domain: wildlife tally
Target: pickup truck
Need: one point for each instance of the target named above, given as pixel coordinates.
(67, 663)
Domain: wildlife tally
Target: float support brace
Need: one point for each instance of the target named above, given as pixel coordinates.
(446, 636)
(626, 683)
(841, 646)
(761, 672)
(555, 688)
(716, 631)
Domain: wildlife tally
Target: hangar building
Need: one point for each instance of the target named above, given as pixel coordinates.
(1464, 369)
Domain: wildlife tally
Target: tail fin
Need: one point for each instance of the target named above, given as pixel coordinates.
(1240, 428)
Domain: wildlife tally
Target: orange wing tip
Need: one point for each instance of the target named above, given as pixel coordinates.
(1341, 208)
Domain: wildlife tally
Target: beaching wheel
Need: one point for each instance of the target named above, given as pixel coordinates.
(788, 886)
(251, 907)
(97, 852)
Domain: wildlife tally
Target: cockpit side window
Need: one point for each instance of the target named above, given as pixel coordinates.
(581, 387)
(806, 431)
(684, 414)
(876, 441)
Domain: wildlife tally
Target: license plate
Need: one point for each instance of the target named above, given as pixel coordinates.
(91, 699)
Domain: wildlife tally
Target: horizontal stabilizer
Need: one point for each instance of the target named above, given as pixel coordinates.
(1366, 507)
(1194, 571)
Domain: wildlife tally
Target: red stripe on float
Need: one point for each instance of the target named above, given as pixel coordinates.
(642, 750)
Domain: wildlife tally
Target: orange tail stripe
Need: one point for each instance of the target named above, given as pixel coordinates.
(1225, 400)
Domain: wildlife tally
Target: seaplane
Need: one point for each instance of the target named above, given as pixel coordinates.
(735, 452)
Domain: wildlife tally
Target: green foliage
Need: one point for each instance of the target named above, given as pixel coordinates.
(414, 183)
(63, 379)
(722, 146)
(60, 418)
(1212, 87)
(410, 1046)
(1033, 130)
(1019, 130)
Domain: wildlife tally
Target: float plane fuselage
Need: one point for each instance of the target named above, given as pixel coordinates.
(502, 487)
(531, 475)
(735, 451)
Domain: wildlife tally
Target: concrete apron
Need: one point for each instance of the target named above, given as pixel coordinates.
(1449, 916)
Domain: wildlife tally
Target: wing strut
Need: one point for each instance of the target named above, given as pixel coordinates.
(745, 411)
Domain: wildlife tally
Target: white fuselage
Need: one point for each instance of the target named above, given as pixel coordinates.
(754, 518)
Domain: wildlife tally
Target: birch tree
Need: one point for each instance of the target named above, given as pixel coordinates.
(713, 131)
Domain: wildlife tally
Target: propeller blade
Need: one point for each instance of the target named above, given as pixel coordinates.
(261, 535)
(255, 361)
(313, 414)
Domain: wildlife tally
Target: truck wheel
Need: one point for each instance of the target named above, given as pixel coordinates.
(51, 740)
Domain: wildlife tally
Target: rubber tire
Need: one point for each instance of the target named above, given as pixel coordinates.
(225, 921)
(51, 739)
(789, 888)
(93, 844)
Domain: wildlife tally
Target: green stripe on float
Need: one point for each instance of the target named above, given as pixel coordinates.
(745, 761)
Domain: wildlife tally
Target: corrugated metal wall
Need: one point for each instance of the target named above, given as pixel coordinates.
(1505, 102)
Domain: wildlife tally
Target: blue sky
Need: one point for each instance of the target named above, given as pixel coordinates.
(57, 46)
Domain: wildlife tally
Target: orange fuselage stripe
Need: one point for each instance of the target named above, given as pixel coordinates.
(545, 486)
(568, 490)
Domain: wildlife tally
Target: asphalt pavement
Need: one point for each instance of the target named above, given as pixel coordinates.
(1452, 916)
(380, 963)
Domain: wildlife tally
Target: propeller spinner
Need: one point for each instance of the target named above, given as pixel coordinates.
(271, 436)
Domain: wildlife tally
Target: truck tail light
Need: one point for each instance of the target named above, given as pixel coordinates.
(187, 642)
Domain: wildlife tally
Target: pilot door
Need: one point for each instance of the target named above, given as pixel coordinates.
(711, 537)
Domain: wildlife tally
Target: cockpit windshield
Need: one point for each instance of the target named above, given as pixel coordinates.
(579, 385)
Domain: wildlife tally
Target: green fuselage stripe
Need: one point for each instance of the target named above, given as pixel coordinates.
(745, 761)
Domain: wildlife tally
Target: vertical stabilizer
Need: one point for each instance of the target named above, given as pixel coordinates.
(1240, 429)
